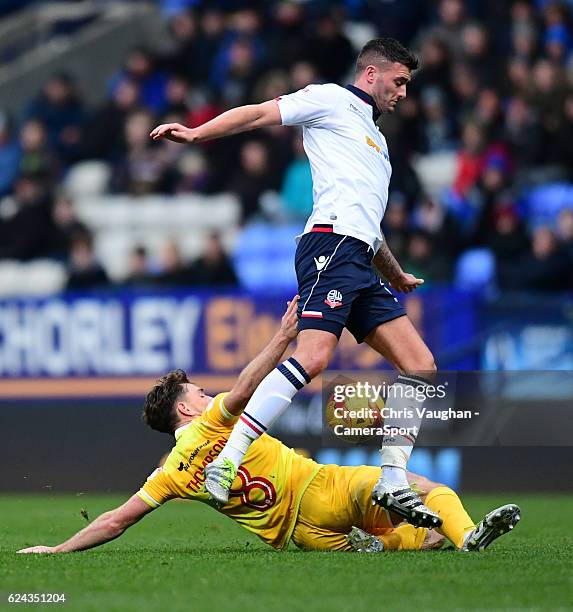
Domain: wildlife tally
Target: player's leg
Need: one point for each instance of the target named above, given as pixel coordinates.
(378, 319)
(329, 508)
(399, 343)
(457, 525)
(270, 399)
(323, 261)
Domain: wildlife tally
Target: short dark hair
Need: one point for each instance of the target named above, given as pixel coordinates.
(159, 407)
(385, 49)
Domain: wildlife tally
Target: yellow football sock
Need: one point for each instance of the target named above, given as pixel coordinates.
(448, 505)
(404, 537)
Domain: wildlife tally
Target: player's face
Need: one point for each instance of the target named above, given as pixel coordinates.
(389, 86)
(196, 397)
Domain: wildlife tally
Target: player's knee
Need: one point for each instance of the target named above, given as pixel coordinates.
(423, 485)
(314, 361)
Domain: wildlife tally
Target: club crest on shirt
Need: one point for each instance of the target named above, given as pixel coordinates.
(333, 299)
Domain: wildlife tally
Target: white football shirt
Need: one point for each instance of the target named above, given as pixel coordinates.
(348, 158)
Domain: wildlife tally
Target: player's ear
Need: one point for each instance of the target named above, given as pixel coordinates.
(184, 409)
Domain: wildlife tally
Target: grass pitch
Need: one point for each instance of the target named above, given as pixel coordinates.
(186, 557)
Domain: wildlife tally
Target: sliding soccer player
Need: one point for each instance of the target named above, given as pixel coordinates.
(278, 494)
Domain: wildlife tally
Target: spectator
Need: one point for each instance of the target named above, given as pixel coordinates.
(66, 226)
(139, 269)
(545, 267)
(452, 18)
(9, 156)
(396, 229)
(177, 95)
(235, 80)
(559, 148)
(251, 179)
(302, 74)
(565, 236)
(508, 240)
(522, 132)
(141, 69)
(437, 125)
(143, 170)
(104, 131)
(85, 272)
(438, 223)
(60, 109)
(213, 268)
(425, 261)
(470, 158)
(465, 85)
(180, 51)
(173, 272)
(477, 54)
(37, 160)
(26, 227)
(296, 192)
(330, 49)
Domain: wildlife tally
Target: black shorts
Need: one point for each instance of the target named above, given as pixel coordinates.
(338, 286)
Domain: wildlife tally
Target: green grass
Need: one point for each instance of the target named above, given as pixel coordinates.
(186, 557)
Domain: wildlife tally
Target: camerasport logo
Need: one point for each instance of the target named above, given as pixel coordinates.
(333, 299)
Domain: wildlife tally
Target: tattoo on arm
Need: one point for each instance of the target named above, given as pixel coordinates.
(386, 263)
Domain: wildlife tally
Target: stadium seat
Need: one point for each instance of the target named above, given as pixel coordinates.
(475, 270)
(39, 277)
(121, 222)
(436, 171)
(264, 257)
(544, 203)
(87, 178)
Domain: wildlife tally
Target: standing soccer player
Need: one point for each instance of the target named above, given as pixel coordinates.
(342, 239)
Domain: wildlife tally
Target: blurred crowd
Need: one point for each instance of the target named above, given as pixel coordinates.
(495, 91)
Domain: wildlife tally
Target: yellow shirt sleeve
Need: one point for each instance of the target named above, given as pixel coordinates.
(156, 490)
(216, 415)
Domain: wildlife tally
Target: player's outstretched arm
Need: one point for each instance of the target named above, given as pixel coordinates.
(234, 121)
(391, 270)
(106, 527)
(250, 378)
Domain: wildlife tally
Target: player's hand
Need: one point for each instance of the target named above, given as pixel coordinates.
(289, 322)
(406, 282)
(173, 131)
(38, 549)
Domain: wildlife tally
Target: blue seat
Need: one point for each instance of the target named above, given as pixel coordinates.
(264, 257)
(475, 270)
(543, 204)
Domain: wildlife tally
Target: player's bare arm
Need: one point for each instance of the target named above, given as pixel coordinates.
(391, 270)
(234, 121)
(105, 528)
(250, 378)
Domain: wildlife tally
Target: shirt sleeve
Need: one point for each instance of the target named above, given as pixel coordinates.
(216, 415)
(310, 106)
(156, 490)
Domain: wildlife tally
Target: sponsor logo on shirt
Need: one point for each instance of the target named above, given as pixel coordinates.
(356, 110)
(321, 261)
(250, 484)
(378, 148)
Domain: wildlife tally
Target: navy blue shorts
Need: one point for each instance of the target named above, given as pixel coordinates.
(339, 288)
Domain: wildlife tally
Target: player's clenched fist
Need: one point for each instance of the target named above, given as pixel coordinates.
(173, 131)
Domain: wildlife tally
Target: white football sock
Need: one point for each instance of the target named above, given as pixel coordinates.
(405, 397)
(269, 401)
